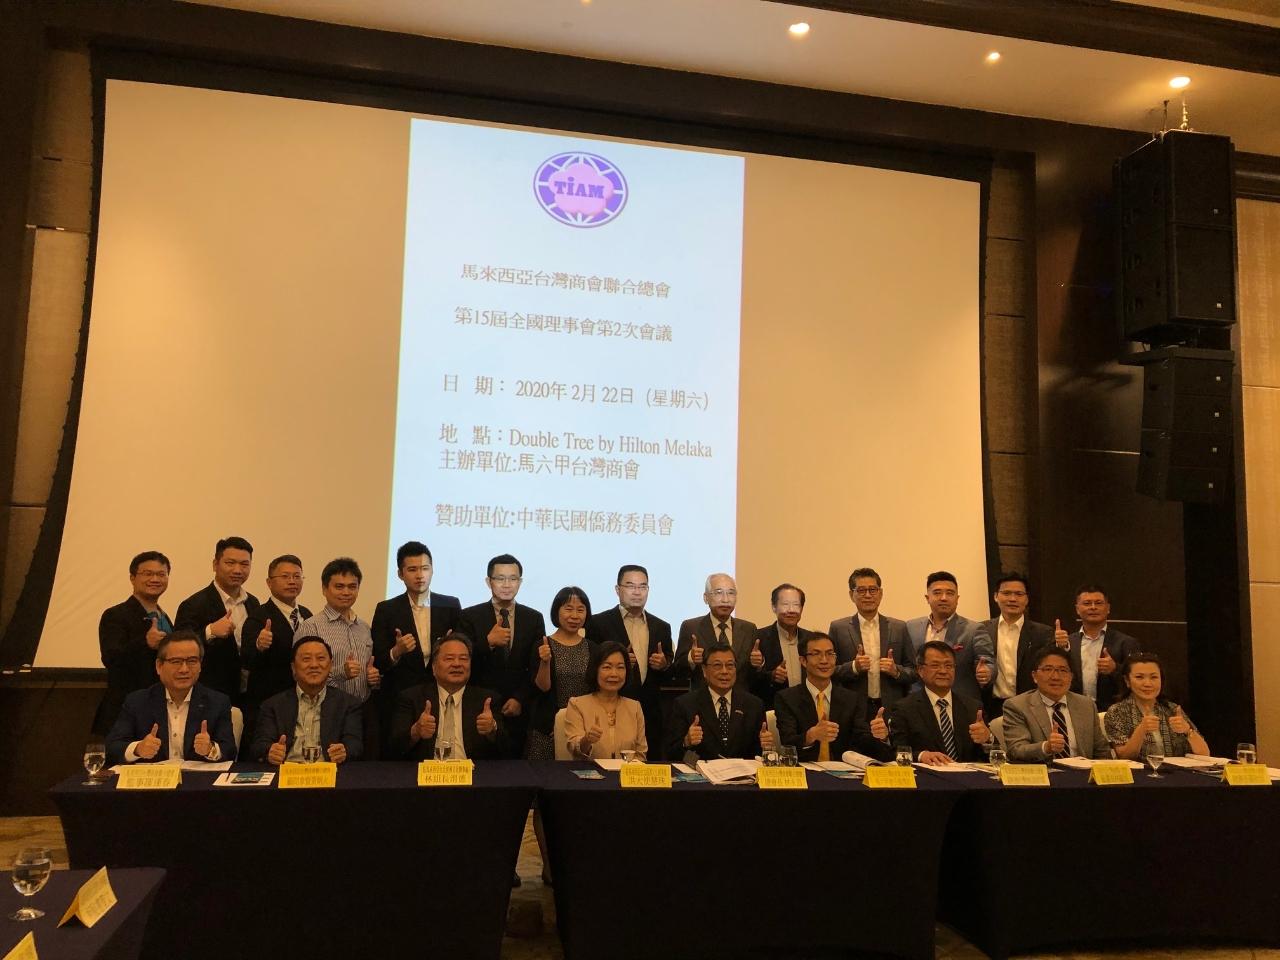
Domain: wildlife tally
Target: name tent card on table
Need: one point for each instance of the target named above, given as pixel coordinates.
(645, 775)
(94, 898)
(307, 776)
(445, 773)
(890, 778)
(1024, 775)
(1246, 775)
(149, 776)
(782, 778)
(1110, 774)
(25, 949)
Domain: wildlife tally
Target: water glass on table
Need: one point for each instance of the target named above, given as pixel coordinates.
(997, 758)
(1155, 757)
(31, 868)
(787, 757)
(95, 758)
(311, 754)
(444, 749)
(1246, 753)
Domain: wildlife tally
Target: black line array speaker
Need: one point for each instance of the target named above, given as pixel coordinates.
(1176, 207)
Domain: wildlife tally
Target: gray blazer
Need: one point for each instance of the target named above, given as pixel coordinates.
(1027, 726)
(970, 640)
(846, 635)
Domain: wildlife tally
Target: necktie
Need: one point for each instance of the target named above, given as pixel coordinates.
(948, 731)
(504, 618)
(824, 748)
(1060, 725)
(449, 729)
(293, 618)
(723, 717)
(724, 633)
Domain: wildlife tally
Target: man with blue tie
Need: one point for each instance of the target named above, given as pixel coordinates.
(130, 632)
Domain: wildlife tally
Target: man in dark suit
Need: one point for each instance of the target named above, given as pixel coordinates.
(647, 640)
(822, 719)
(310, 715)
(406, 626)
(448, 708)
(975, 654)
(266, 649)
(217, 614)
(875, 654)
(1097, 650)
(130, 632)
(720, 594)
(504, 634)
(1016, 639)
(717, 720)
(177, 717)
(779, 644)
(935, 722)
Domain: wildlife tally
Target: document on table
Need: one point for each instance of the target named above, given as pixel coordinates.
(612, 764)
(244, 779)
(728, 771)
(198, 766)
(953, 767)
(1193, 761)
(1084, 763)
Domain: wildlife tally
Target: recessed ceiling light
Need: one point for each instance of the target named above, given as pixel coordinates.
(798, 29)
(993, 56)
(1179, 82)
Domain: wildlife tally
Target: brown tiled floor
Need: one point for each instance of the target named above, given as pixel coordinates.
(531, 920)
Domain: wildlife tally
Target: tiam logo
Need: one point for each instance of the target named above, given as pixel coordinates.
(580, 189)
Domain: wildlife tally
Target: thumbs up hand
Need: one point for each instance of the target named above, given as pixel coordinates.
(372, 675)
(593, 735)
(1105, 664)
(486, 726)
(263, 643)
(1150, 724)
(1179, 723)
(337, 753)
(203, 743)
(979, 732)
(695, 653)
(154, 633)
(824, 731)
(766, 737)
(351, 666)
(757, 658)
(544, 650)
(1060, 636)
(405, 643)
(861, 662)
(879, 729)
(424, 728)
(149, 745)
(657, 659)
(780, 673)
(694, 735)
(631, 657)
(888, 664)
(278, 751)
(1055, 744)
(222, 627)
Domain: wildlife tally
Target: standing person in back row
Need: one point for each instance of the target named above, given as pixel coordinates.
(267, 650)
(1017, 640)
(719, 625)
(968, 639)
(1097, 650)
(217, 615)
(130, 633)
(876, 658)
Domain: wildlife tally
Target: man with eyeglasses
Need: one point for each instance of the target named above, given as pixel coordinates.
(874, 651)
(720, 594)
(217, 614)
(1097, 650)
(267, 647)
(938, 725)
(1017, 640)
(177, 717)
(647, 640)
(717, 720)
(1051, 721)
(779, 644)
(130, 632)
(975, 655)
(312, 716)
(505, 634)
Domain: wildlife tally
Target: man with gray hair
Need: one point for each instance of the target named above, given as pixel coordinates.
(719, 625)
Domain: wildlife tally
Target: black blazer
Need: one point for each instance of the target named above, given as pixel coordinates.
(339, 723)
(1110, 689)
(796, 713)
(270, 670)
(504, 671)
(743, 638)
(771, 647)
(130, 663)
(144, 709)
(746, 716)
(396, 613)
(914, 723)
(1031, 639)
(411, 703)
(221, 669)
(608, 625)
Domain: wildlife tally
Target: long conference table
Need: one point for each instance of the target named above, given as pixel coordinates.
(381, 865)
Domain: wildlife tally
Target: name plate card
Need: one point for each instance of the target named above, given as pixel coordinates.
(149, 776)
(94, 898)
(782, 778)
(1109, 774)
(1024, 775)
(645, 775)
(307, 775)
(25, 950)
(890, 778)
(1246, 775)
(445, 773)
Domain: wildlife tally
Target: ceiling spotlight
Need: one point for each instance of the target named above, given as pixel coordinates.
(798, 29)
(993, 56)
(1179, 83)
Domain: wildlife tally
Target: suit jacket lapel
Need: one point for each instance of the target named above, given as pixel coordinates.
(705, 632)
(930, 717)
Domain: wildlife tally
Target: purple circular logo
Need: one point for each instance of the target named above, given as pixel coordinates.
(580, 189)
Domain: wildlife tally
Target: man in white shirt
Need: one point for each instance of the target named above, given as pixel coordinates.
(779, 644)
(1097, 650)
(874, 651)
(217, 614)
(1051, 721)
(1017, 640)
(719, 625)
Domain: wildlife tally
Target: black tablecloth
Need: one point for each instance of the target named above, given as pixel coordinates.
(1185, 858)
(117, 936)
(719, 871)
(376, 868)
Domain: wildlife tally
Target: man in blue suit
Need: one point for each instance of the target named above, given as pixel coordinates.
(176, 717)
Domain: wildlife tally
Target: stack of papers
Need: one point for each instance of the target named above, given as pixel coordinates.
(854, 760)
(199, 766)
(606, 763)
(1084, 763)
(1195, 762)
(728, 771)
(244, 779)
(954, 767)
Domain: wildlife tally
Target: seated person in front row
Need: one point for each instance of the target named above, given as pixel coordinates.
(312, 714)
(1133, 722)
(821, 719)
(176, 718)
(1051, 721)
(939, 725)
(602, 723)
(716, 720)
(448, 710)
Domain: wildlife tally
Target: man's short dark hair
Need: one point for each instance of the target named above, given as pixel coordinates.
(803, 645)
(563, 596)
(453, 636)
(283, 558)
(601, 652)
(411, 549)
(506, 559)
(232, 543)
(340, 565)
(310, 639)
(863, 572)
(773, 597)
(1012, 576)
(719, 646)
(631, 568)
(1092, 588)
(146, 557)
(939, 575)
(177, 637)
(1044, 653)
(937, 646)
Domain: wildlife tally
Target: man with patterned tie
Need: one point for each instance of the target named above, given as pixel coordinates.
(717, 720)
(1051, 721)
(935, 722)
(217, 614)
(822, 719)
(720, 594)
(448, 708)
(266, 650)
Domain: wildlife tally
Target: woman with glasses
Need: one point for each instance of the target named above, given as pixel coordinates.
(1132, 722)
(558, 666)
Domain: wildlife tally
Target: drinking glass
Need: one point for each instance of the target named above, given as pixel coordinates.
(1246, 753)
(311, 754)
(770, 757)
(628, 756)
(997, 758)
(95, 758)
(788, 757)
(444, 749)
(31, 870)
(902, 757)
(1155, 757)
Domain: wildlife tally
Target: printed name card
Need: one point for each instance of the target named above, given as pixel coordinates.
(645, 775)
(25, 950)
(1024, 775)
(1109, 774)
(307, 775)
(782, 778)
(149, 776)
(1246, 775)
(94, 898)
(445, 773)
(890, 778)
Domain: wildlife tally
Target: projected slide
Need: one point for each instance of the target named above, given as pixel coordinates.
(568, 382)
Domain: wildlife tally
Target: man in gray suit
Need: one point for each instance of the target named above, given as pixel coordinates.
(1051, 721)
(873, 652)
(720, 594)
(975, 653)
